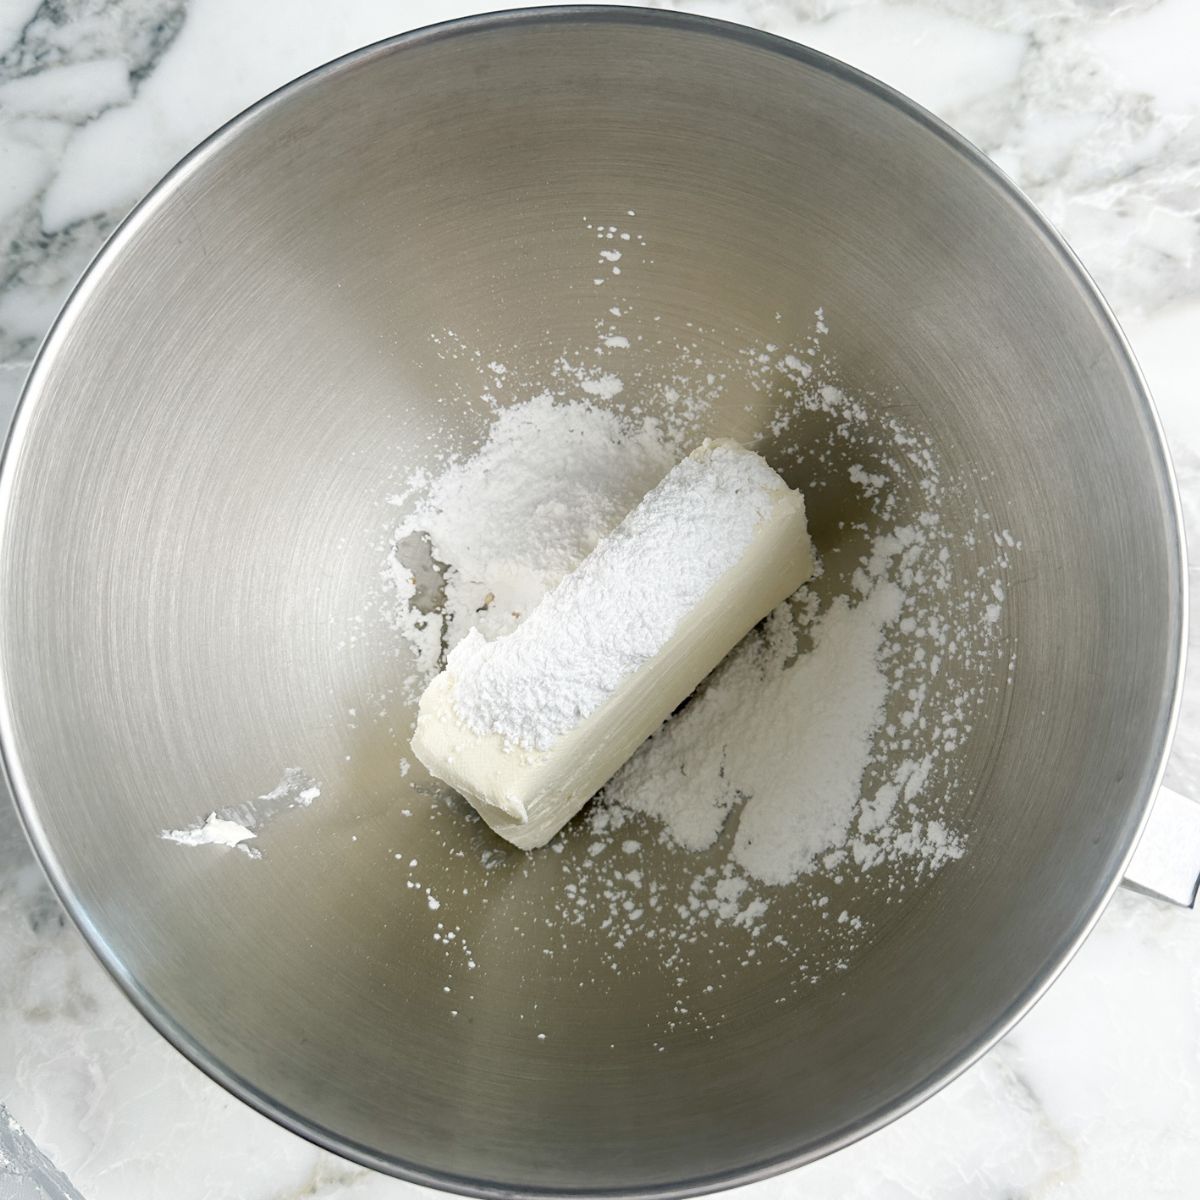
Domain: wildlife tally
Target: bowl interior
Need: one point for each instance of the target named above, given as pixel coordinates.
(195, 518)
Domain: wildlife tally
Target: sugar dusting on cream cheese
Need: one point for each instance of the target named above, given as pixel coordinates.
(613, 614)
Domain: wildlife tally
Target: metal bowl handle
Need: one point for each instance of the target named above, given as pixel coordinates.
(1166, 863)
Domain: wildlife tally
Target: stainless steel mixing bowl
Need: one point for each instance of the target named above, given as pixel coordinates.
(193, 513)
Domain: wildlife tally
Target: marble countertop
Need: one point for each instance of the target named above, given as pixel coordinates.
(1092, 106)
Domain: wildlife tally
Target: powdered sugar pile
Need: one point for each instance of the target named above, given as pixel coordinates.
(817, 776)
(505, 529)
(800, 790)
(812, 742)
(614, 613)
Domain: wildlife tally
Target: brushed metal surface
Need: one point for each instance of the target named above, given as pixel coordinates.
(191, 505)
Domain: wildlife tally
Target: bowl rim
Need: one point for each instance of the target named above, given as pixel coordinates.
(1177, 613)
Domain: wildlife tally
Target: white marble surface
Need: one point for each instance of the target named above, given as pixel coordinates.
(1093, 106)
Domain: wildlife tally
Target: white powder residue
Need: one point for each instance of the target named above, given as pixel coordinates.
(296, 789)
(800, 790)
(212, 831)
(236, 824)
(619, 607)
(606, 387)
(818, 776)
(824, 742)
(508, 522)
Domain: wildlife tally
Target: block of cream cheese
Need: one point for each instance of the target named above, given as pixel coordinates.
(530, 725)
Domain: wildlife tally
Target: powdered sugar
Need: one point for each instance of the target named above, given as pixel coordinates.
(656, 874)
(237, 824)
(800, 791)
(605, 387)
(212, 831)
(497, 559)
(620, 607)
(858, 781)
